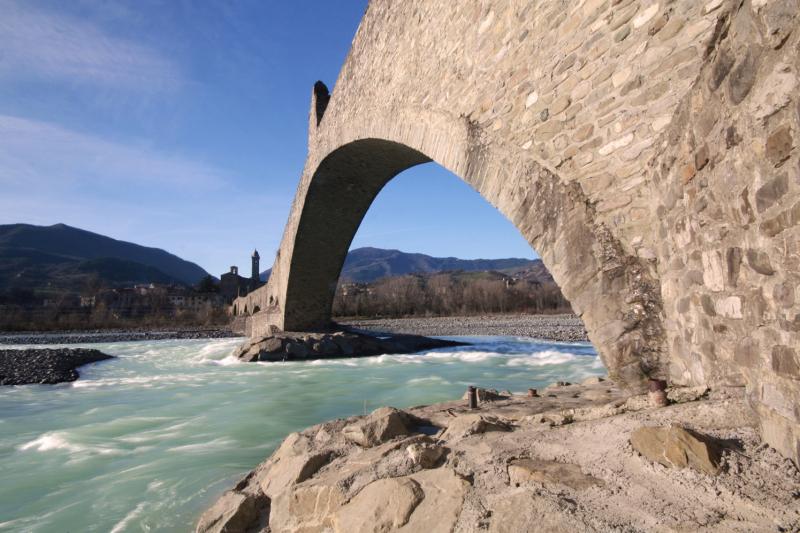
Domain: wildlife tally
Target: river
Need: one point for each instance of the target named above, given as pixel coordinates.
(147, 441)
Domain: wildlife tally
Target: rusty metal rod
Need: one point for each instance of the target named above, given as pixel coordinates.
(473, 397)
(657, 392)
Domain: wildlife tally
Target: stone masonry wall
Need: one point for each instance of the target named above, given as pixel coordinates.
(726, 193)
(646, 149)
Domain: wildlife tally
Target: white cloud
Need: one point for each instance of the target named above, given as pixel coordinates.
(40, 45)
(34, 153)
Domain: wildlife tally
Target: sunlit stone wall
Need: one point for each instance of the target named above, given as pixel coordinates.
(646, 149)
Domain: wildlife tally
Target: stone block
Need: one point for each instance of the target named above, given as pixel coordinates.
(771, 192)
(779, 145)
(785, 362)
(678, 447)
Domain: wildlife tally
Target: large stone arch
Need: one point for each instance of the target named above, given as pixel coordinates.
(611, 290)
(647, 149)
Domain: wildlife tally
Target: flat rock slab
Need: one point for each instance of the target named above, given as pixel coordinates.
(678, 447)
(524, 470)
(45, 365)
(294, 346)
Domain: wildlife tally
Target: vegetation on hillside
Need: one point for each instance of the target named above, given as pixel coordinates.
(448, 294)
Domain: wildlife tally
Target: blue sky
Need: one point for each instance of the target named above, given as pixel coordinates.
(182, 125)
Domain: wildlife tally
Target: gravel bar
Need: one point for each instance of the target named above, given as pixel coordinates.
(547, 327)
(84, 337)
(45, 366)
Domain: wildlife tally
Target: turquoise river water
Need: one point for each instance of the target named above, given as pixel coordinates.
(147, 441)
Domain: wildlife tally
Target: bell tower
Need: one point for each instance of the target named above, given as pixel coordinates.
(255, 275)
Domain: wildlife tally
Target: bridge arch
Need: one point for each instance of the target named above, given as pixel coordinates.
(646, 150)
(608, 288)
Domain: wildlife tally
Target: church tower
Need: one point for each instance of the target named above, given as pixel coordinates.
(255, 276)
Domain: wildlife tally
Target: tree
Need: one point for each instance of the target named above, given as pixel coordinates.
(207, 285)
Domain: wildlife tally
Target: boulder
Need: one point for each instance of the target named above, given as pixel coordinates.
(306, 508)
(297, 350)
(425, 454)
(594, 380)
(472, 424)
(345, 344)
(525, 470)
(678, 447)
(272, 344)
(264, 349)
(383, 505)
(234, 512)
(326, 346)
(272, 357)
(295, 461)
(379, 426)
(439, 511)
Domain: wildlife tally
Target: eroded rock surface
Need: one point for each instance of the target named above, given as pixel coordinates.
(235, 511)
(501, 468)
(525, 470)
(381, 425)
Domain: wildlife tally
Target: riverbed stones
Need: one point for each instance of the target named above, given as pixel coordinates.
(45, 365)
(678, 447)
(549, 327)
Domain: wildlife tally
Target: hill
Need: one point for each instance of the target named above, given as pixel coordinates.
(62, 257)
(364, 265)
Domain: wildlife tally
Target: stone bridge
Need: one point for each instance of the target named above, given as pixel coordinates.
(646, 149)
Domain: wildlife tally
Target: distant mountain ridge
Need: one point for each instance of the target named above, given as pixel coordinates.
(61, 256)
(369, 264)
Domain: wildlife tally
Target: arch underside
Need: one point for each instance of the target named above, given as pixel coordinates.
(340, 193)
(610, 290)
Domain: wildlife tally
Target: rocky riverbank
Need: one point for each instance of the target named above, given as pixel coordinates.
(45, 366)
(288, 346)
(573, 458)
(126, 335)
(548, 327)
